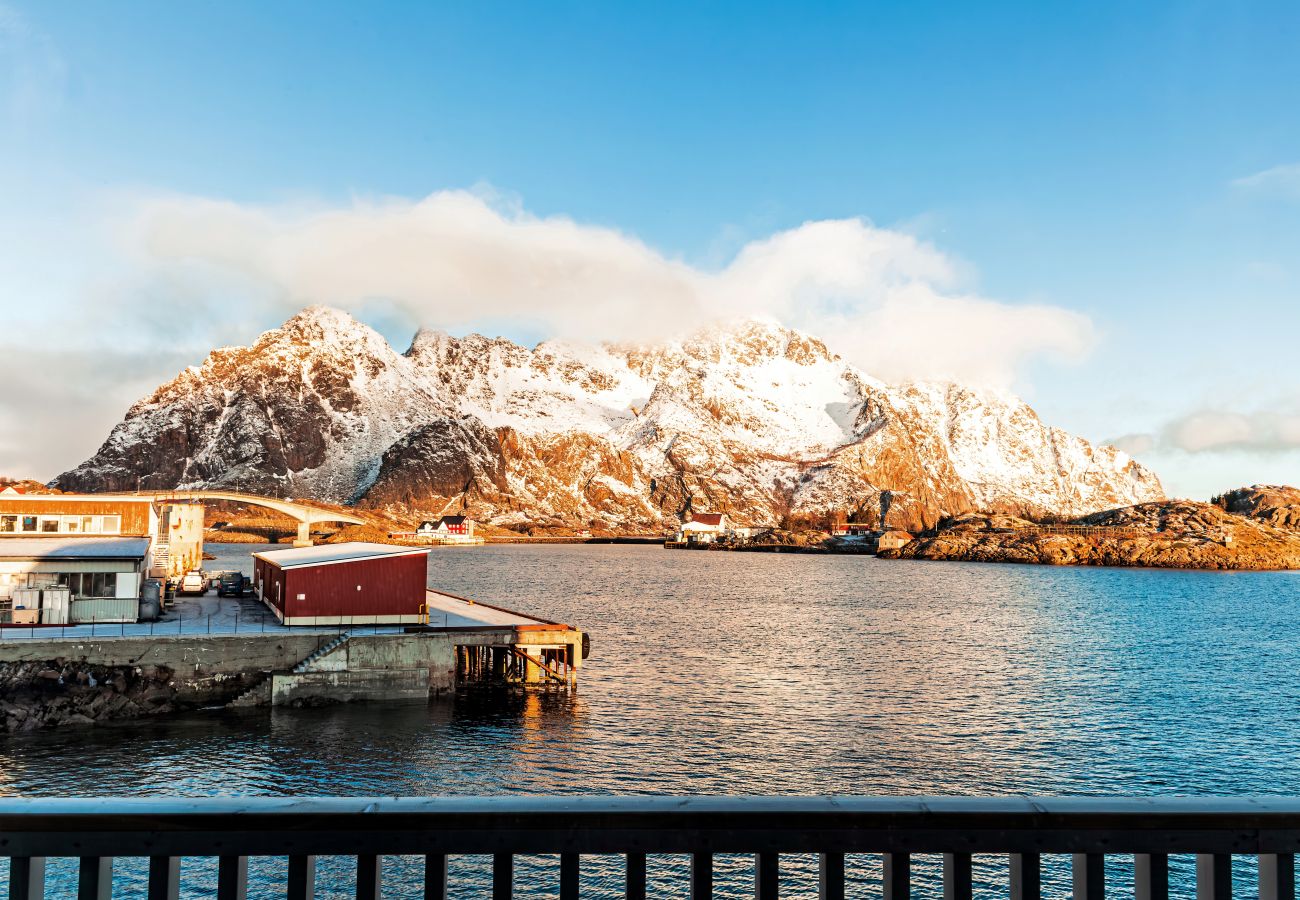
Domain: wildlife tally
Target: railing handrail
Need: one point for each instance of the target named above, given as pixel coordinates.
(269, 826)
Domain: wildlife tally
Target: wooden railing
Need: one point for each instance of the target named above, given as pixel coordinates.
(1022, 831)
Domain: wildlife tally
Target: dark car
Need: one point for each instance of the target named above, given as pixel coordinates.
(234, 584)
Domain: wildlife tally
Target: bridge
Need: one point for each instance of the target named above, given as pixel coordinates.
(305, 515)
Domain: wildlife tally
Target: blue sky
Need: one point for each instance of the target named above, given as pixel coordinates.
(1103, 160)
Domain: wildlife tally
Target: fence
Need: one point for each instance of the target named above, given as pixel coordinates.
(1144, 831)
(178, 623)
(1110, 531)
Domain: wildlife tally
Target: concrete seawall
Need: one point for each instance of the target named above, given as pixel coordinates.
(46, 683)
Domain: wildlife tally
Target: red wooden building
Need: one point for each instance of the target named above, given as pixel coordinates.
(343, 584)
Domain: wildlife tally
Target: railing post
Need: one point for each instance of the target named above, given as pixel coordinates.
(767, 876)
(1026, 876)
(503, 876)
(830, 876)
(570, 869)
(26, 877)
(1151, 876)
(95, 878)
(1213, 876)
(701, 876)
(634, 880)
(1089, 876)
(370, 873)
(435, 876)
(301, 882)
(898, 876)
(956, 876)
(1277, 876)
(164, 877)
(232, 877)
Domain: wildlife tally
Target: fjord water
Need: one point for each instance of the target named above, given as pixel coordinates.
(744, 673)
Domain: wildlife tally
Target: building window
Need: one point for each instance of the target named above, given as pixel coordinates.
(72, 524)
(8, 523)
(90, 585)
(29, 523)
(49, 524)
(88, 525)
(112, 524)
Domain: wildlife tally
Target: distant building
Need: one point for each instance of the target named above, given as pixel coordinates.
(854, 529)
(893, 540)
(462, 526)
(702, 528)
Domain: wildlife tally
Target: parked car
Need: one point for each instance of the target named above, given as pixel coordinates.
(234, 584)
(194, 583)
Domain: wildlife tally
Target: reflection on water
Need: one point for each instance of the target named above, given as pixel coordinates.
(755, 673)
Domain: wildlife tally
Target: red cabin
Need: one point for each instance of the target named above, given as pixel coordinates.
(343, 584)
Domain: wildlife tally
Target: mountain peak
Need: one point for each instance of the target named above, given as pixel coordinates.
(750, 418)
(324, 328)
(753, 338)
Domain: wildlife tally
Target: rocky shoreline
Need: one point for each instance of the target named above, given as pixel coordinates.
(1253, 528)
(49, 693)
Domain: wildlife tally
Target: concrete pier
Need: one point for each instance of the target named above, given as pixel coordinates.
(71, 677)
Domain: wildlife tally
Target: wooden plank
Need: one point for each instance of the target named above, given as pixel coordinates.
(1213, 876)
(570, 870)
(164, 877)
(1151, 876)
(956, 876)
(232, 878)
(1026, 876)
(701, 876)
(370, 874)
(830, 876)
(26, 877)
(898, 876)
(767, 876)
(301, 882)
(635, 881)
(435, 876)
(1089, 875)
(503, 876)
(1277, 876)
(95, 878)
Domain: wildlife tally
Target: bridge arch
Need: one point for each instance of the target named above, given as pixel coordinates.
(305, 515)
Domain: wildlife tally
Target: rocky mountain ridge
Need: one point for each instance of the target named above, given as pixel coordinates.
(1255, 527)
(756, 420)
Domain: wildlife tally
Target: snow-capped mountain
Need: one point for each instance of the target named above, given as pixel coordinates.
(756, 420)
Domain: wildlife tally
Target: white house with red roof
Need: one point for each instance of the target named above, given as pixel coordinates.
(702, 528)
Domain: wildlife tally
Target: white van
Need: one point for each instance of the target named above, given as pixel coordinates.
(194, 583)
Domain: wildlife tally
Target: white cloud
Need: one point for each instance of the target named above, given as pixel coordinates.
(1283, 180)
(885, 300)
(180, 275)
(1134, 444)
(1218, 431)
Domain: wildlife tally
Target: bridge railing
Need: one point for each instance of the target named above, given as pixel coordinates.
(1140, 833)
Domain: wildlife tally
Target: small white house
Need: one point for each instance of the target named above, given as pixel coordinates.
(703, 528)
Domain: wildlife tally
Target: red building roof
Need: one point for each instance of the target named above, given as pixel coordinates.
(326, 554)
(707, 518)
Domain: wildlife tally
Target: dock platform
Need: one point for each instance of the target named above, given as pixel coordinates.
(233, 652)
